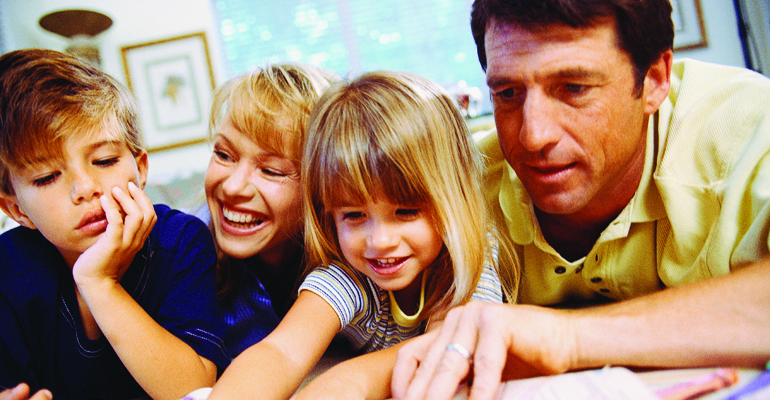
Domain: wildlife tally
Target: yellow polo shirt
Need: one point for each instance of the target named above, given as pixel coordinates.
(702, 207)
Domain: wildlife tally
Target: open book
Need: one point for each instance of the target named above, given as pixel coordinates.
(609, 383)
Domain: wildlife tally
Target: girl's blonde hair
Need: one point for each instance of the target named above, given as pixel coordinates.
(402, 136)
(271, 105)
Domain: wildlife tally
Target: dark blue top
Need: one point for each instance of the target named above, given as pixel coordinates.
(248, 312)
(42, 341)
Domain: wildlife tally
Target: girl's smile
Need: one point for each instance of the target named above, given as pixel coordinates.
(390, 243)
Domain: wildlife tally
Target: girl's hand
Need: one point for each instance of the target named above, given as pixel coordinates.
(130, 218)
(21, 392)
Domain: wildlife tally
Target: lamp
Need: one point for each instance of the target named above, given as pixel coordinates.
(80, 27)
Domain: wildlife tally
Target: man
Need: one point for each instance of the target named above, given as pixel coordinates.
(627, 173)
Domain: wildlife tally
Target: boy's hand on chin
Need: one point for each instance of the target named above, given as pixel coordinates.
(130, 218)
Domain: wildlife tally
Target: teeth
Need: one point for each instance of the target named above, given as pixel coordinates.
(239, 218)
(386, 261)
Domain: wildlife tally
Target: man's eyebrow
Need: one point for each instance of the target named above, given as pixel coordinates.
(567, 73)
(578, 72)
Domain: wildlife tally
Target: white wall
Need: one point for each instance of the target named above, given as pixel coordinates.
(140, 21)
(724, 44)
(136, 21)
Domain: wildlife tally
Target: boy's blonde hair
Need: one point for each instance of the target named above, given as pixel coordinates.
(272, 105)
(402, 136)
(47, 96)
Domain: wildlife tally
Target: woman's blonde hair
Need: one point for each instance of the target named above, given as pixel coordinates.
(271, 105)
(399, 135)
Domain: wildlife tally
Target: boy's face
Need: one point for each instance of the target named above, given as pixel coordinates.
(60, 196)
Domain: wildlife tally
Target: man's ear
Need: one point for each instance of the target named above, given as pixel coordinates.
(10, 207)
(657, 82)
(142, 166)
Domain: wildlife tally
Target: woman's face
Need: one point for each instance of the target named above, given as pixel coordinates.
(253, 196)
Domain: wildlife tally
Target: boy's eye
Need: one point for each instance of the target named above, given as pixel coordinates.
(46, 179)
(106, 162)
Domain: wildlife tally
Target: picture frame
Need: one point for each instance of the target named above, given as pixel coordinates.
(173, 82)
(689, 30)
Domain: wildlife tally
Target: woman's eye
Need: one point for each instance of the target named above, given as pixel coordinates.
(273, 172)
(45, 180)
(222, 155)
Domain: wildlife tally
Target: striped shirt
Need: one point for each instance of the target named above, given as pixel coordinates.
(364, 309)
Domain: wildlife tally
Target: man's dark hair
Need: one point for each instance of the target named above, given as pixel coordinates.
(644, 27)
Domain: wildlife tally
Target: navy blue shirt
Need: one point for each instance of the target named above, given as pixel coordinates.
(42, 341)
(248, 312)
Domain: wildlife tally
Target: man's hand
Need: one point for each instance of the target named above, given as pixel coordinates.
(130, 218)
(506, 342)
(21, 392)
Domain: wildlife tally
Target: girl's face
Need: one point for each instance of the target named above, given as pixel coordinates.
(390, 243)
(253, 196)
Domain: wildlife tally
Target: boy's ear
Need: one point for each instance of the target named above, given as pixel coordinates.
(142, 165)
(10, 207)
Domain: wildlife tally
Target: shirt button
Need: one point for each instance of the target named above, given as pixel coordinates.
(596, 279)
(560, 270)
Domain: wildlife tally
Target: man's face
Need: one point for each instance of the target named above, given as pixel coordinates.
(568, 120)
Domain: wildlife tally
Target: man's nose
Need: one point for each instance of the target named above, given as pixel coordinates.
(539, 128)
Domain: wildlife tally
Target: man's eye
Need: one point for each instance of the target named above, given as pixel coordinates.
(574, 88)
(505, 94)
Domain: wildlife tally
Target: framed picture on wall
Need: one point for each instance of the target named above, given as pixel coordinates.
(689, 30)
(173, 82)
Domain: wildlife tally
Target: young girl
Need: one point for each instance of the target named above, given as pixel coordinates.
(259, 122)
(395, 233)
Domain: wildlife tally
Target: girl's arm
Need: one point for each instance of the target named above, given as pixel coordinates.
(276, 366)
(364, 377)
(153, 356)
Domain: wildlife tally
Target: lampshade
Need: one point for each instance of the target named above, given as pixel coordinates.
(79, 26)
(70, 23)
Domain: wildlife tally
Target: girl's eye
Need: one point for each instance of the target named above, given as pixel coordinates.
(352, 215)
(106, 162)
(408, 213)
(46, 180)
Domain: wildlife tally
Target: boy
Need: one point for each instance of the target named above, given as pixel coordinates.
(102, 295)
